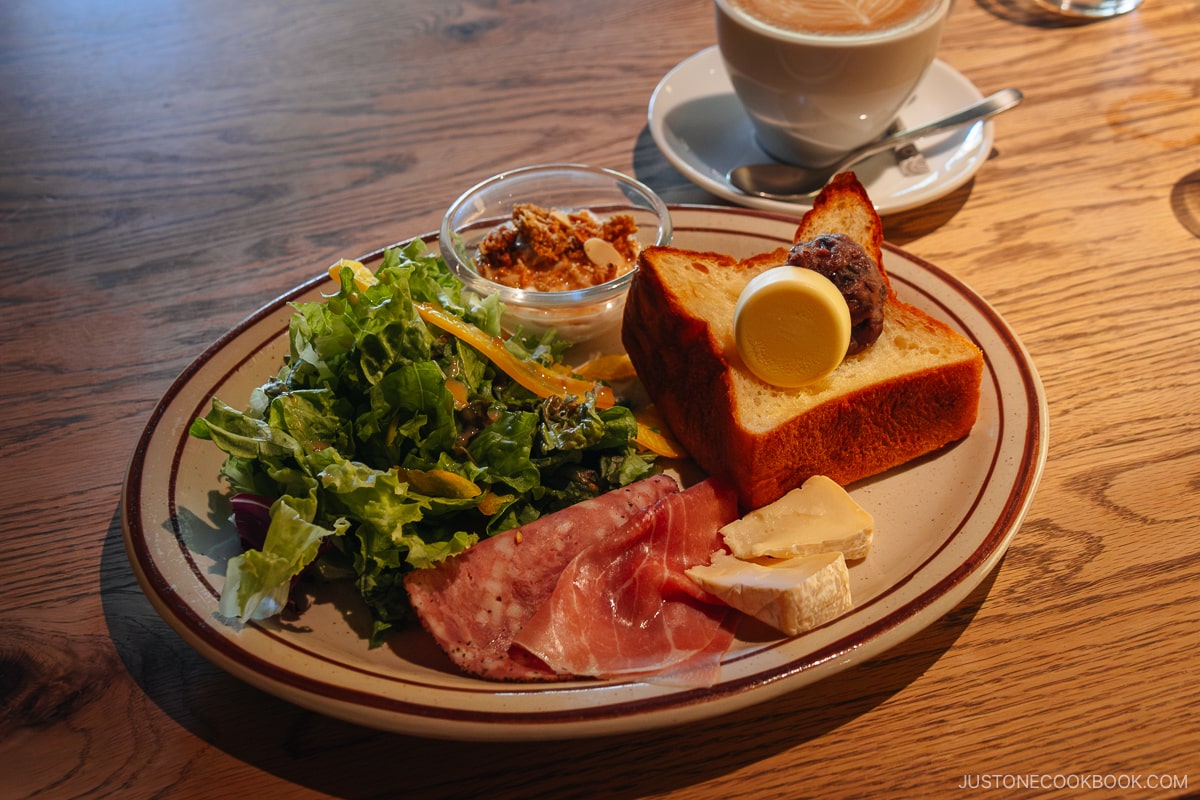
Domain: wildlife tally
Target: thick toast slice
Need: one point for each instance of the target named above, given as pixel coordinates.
(913, 391)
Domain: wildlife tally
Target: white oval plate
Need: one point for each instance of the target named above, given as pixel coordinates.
(700, 127)
(942, 524)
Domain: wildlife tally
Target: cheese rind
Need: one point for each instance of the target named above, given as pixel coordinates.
(819, 517)
(793, 595)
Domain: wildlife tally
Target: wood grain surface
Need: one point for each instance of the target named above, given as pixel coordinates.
(167, 168)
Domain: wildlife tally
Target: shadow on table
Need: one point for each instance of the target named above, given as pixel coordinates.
(1030, 14)
(1185, 202)
(652, 168)
(346, 760)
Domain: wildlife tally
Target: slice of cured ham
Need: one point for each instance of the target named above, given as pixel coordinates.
(475, 603)
(623, 607)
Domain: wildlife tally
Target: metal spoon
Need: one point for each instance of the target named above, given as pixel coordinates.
(778, 181)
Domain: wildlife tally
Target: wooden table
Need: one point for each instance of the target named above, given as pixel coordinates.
(167, 168)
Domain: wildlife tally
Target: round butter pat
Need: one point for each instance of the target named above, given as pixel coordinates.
(792, 326)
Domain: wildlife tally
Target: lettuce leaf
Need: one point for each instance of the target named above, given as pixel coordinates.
(372, 402)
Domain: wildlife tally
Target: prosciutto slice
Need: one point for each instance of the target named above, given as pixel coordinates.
(623, 607)
(475, 603)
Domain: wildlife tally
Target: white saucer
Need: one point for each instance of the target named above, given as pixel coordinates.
(699, 125)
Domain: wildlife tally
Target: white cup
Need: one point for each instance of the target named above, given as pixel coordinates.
(816, 87)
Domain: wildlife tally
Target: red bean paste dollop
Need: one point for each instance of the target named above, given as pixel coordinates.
(856, 276)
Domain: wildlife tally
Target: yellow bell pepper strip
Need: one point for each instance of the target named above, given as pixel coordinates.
(540, 380)
(530, 374)
(439, 483)
(609, 367)
(457, 390)
(533, 376)
(491, 503)
(656, 442)
(652, 434)
(363, 277)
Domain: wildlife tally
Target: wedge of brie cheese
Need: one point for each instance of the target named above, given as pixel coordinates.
(793, 595)
(819, 517)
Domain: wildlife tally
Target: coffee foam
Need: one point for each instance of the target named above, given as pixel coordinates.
(836, 17)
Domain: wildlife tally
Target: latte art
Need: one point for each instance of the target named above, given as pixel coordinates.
(836, 16)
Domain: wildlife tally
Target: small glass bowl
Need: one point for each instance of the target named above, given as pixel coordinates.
(577, 314)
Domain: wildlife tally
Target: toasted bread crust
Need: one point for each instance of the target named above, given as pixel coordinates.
(839, 208)
(858, 435)
(684, 360)
(694, 394)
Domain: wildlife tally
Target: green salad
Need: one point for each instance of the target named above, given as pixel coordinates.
(386, 443)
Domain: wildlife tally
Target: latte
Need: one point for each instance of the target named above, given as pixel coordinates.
(818, 78)
(836, 17)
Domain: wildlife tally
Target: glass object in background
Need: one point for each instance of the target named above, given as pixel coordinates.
(1090, 8)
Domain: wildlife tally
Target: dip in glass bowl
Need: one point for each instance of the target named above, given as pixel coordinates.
(557, 242)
